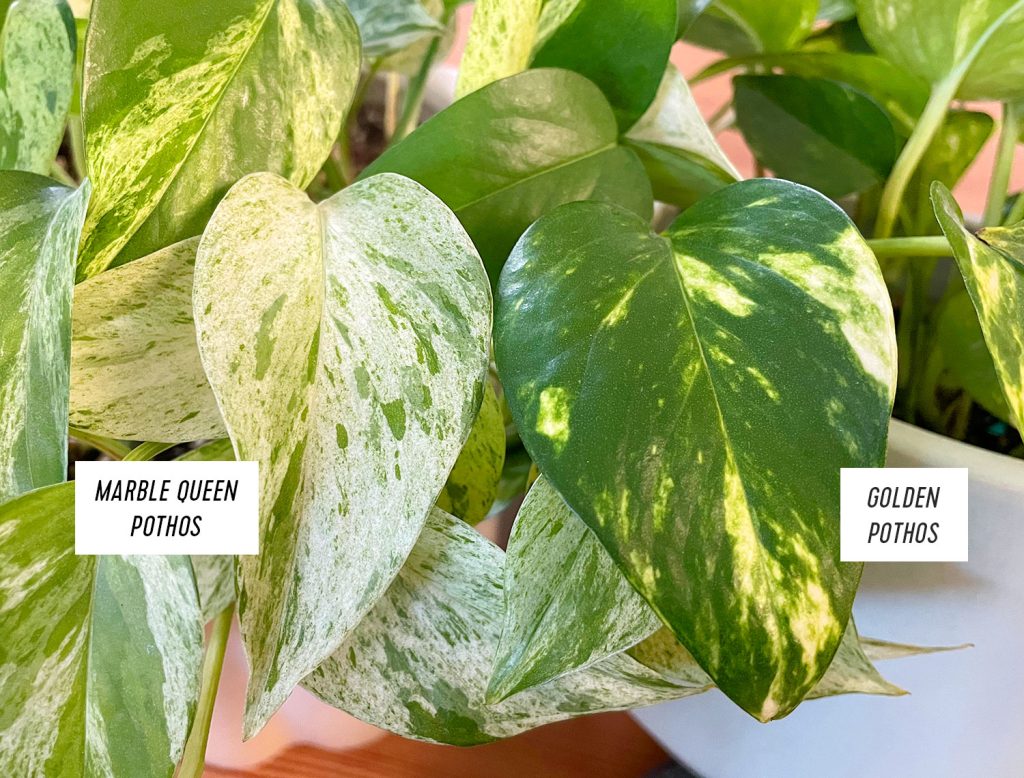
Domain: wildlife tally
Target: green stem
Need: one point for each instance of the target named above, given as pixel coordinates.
(76, 135)
(924, 246)
(56, 171)
(344, 162)
(1000, 181)
(109, 446)
(413, 105)
(146, 451)
(194, 758)
(1016, 211)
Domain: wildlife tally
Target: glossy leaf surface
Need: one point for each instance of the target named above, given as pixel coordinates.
(390, 26)
(37, 57)
(691, 455)
(135, 369)
(527, 144)
(349, 361)
(40, 222)
(740, 27)
(183, 99)
(100, 655)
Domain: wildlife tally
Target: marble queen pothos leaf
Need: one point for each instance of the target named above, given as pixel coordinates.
(135, 369)
(40, 222)
(37, 58)
(183, 99)
(992, 265)
(388, 26)
(347, 345)
(501, 37)
(418, 664)
(100, 657)
(693, 397)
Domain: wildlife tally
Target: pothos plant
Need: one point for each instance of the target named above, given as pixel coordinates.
(490, 305)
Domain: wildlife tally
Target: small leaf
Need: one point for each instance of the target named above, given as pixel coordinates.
(349, 361)
(992, 265)
(526, 144)
(392, 25)
(707, 459)
(101, 655)
(500, 41)
(418, 664)
(816, 132)
(183, 100)
(567, 605)
(40, 222)
(37, 57)
(981, 44)
(472, 485)
(740, 27)
(135, 369)
(681, 155)
(621, 47)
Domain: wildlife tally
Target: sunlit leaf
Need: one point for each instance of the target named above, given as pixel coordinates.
(500, 42)
(389, 26)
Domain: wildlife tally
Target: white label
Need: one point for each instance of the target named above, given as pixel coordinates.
(166, 507)
(903, 514)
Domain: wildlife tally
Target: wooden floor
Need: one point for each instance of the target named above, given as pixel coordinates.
(605, 746)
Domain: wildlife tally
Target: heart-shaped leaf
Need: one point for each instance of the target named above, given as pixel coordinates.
(992, 265)
(101, 655)
(183, 99)
(526, 144)
(135, 369)
(815, 131)
(979, 45)
(693, 399)
(679, 151)
(389, 26)
(621, 47)
(472, 486)
(500, 42)
(349, 360)
(37, 57)
(418, 664)
(40, 222)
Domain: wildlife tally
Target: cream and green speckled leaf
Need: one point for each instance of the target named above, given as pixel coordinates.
(977, 46)
(40, 222)
(183, 99)
(567, 605)
(472, 486)
(390, 26)
(135, 369)
(37, 57)
(100, 659)
(418, 664)
(349, 360)
(500, 42)
(679, 151)
(693, 397)
(992, 265)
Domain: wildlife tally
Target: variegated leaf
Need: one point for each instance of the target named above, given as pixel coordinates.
(979, 43)
(349, 360)
(37, 58)
(183, 99)
(418, 664)
(526, 144)
(693, 399)
(500, 42)
(472, 485)
(40, 222)
(567, 605)
(679, 151)
(388, 26)
(992, 265)
(100, 657)
(135, 369)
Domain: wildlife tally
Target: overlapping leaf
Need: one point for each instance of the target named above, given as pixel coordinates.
(37, 57)
(500, 42)
(526, 144)
(100, 656)
(390, 26)
(349, 360)
(706, 459)
(135, 369)
(40, 222)
(740, 27)
(992, 265)
(183, 99)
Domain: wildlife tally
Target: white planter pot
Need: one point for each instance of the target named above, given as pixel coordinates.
(964, 716)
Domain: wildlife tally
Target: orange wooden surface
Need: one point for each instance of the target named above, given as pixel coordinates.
(604, 746)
